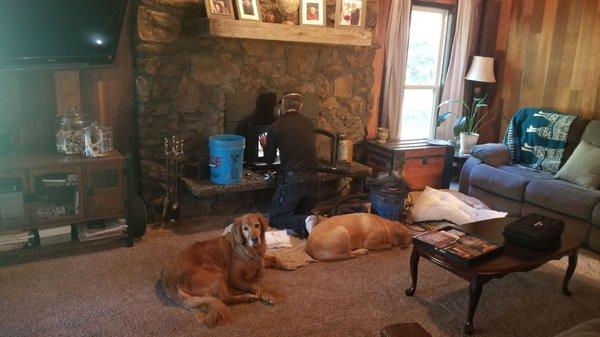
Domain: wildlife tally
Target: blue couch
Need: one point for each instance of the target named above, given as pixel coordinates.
(490, 176)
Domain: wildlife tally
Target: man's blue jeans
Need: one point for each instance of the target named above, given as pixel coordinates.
(293, 201)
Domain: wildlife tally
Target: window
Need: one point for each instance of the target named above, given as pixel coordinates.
(427, 42)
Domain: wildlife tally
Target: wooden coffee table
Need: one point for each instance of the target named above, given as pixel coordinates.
(510, 259)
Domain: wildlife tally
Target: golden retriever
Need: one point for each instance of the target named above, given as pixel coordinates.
(212, 273)
(350, 235)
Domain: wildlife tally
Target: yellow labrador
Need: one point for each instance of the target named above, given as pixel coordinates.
(351, 235)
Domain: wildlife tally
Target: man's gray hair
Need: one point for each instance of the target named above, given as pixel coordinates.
(292, 102)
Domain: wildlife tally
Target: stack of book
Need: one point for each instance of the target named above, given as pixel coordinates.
(457, 245)
(54, 235)
(109, 228)
(15, 240)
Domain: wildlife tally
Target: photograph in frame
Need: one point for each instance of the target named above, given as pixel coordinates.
(351, 13)
(222, 9)
(313, 12)
(248, 10)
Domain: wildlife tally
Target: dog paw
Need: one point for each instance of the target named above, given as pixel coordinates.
(268, 300)
(360, 251)
(252, 298)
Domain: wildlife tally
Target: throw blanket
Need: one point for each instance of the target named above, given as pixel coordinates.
(537, 138)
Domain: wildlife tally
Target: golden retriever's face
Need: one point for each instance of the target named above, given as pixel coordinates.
(250, 229)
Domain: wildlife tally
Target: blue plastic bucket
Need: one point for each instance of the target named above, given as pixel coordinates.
(389, 206)
(226, 158)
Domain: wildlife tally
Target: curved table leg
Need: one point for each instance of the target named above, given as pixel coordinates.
(475, 288)
(414, 270)
(570, 270)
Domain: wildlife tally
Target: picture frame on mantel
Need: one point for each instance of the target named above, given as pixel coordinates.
(351, 14)
(248, 10)
(219, 9)
(313, 13)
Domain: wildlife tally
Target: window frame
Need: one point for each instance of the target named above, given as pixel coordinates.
(443, 54)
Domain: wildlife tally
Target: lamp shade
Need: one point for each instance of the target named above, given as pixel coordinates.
(482, 70)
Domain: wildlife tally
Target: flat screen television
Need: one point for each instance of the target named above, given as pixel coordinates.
(51, 33)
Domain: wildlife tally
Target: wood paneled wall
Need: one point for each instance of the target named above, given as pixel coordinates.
(547, 55)
(28, 100)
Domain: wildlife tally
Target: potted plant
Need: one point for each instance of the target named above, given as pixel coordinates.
(468, 124)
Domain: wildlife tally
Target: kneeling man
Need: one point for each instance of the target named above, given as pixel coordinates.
(293, 134)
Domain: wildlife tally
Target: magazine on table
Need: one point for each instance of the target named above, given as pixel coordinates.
(457, 244)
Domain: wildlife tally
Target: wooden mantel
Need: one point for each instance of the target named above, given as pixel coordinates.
(245, 29)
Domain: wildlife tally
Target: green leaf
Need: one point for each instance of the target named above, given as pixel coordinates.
(442, 118)
(450, 101)
(460, 125)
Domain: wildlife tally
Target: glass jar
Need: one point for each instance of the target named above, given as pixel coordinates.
(107, 131)
(96, 141)
(69, 132)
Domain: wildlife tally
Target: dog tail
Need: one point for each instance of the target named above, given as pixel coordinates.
(217, 312)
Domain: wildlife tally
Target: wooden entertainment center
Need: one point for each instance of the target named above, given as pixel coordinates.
(42, 191)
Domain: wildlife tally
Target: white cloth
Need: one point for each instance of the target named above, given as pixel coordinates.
(278, 239)
(396, 50)
(434, 205)
(454, 85)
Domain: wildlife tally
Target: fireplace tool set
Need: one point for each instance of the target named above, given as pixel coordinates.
(173, 165)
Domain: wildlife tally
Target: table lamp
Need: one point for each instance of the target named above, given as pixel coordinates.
(482, 70)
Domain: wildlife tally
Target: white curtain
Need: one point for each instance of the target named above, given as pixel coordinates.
(454, 87)
(395, 65)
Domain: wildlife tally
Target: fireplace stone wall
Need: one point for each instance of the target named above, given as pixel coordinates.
(182, 80)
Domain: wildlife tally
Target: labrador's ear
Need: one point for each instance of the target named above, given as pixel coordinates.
(236, 230)
(396, 239)
(404, 236)
(400, 235)
(407, 237)
(264, 223)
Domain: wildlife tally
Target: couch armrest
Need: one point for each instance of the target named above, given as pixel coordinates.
(493, 154)
(465, 174)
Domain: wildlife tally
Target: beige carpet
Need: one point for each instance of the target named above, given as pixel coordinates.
(113, 292)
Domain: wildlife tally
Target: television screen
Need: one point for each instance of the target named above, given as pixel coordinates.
(55, 32)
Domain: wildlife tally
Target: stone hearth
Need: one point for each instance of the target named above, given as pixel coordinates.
(182, 80)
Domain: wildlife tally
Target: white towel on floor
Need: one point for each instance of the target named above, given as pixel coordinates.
(278, 239)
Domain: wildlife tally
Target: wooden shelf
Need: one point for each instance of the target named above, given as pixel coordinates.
(245, 29)
(72, 247)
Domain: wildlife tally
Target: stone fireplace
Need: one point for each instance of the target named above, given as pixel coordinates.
(182, 81)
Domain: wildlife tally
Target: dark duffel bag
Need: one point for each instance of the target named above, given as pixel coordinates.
(534, 231)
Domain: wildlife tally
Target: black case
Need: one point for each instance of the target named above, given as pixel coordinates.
(534, 231)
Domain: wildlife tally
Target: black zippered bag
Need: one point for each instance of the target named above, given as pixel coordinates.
(534, 231)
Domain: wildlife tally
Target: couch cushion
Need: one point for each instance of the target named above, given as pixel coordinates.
(525, 172)
(596, 215)
(496, 202)
(583, 168)
(591, 134)
(563, 197)
(507, 181)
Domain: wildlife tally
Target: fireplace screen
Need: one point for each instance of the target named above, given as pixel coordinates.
(250, 114)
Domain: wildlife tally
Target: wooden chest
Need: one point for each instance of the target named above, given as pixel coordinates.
(421, 164)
